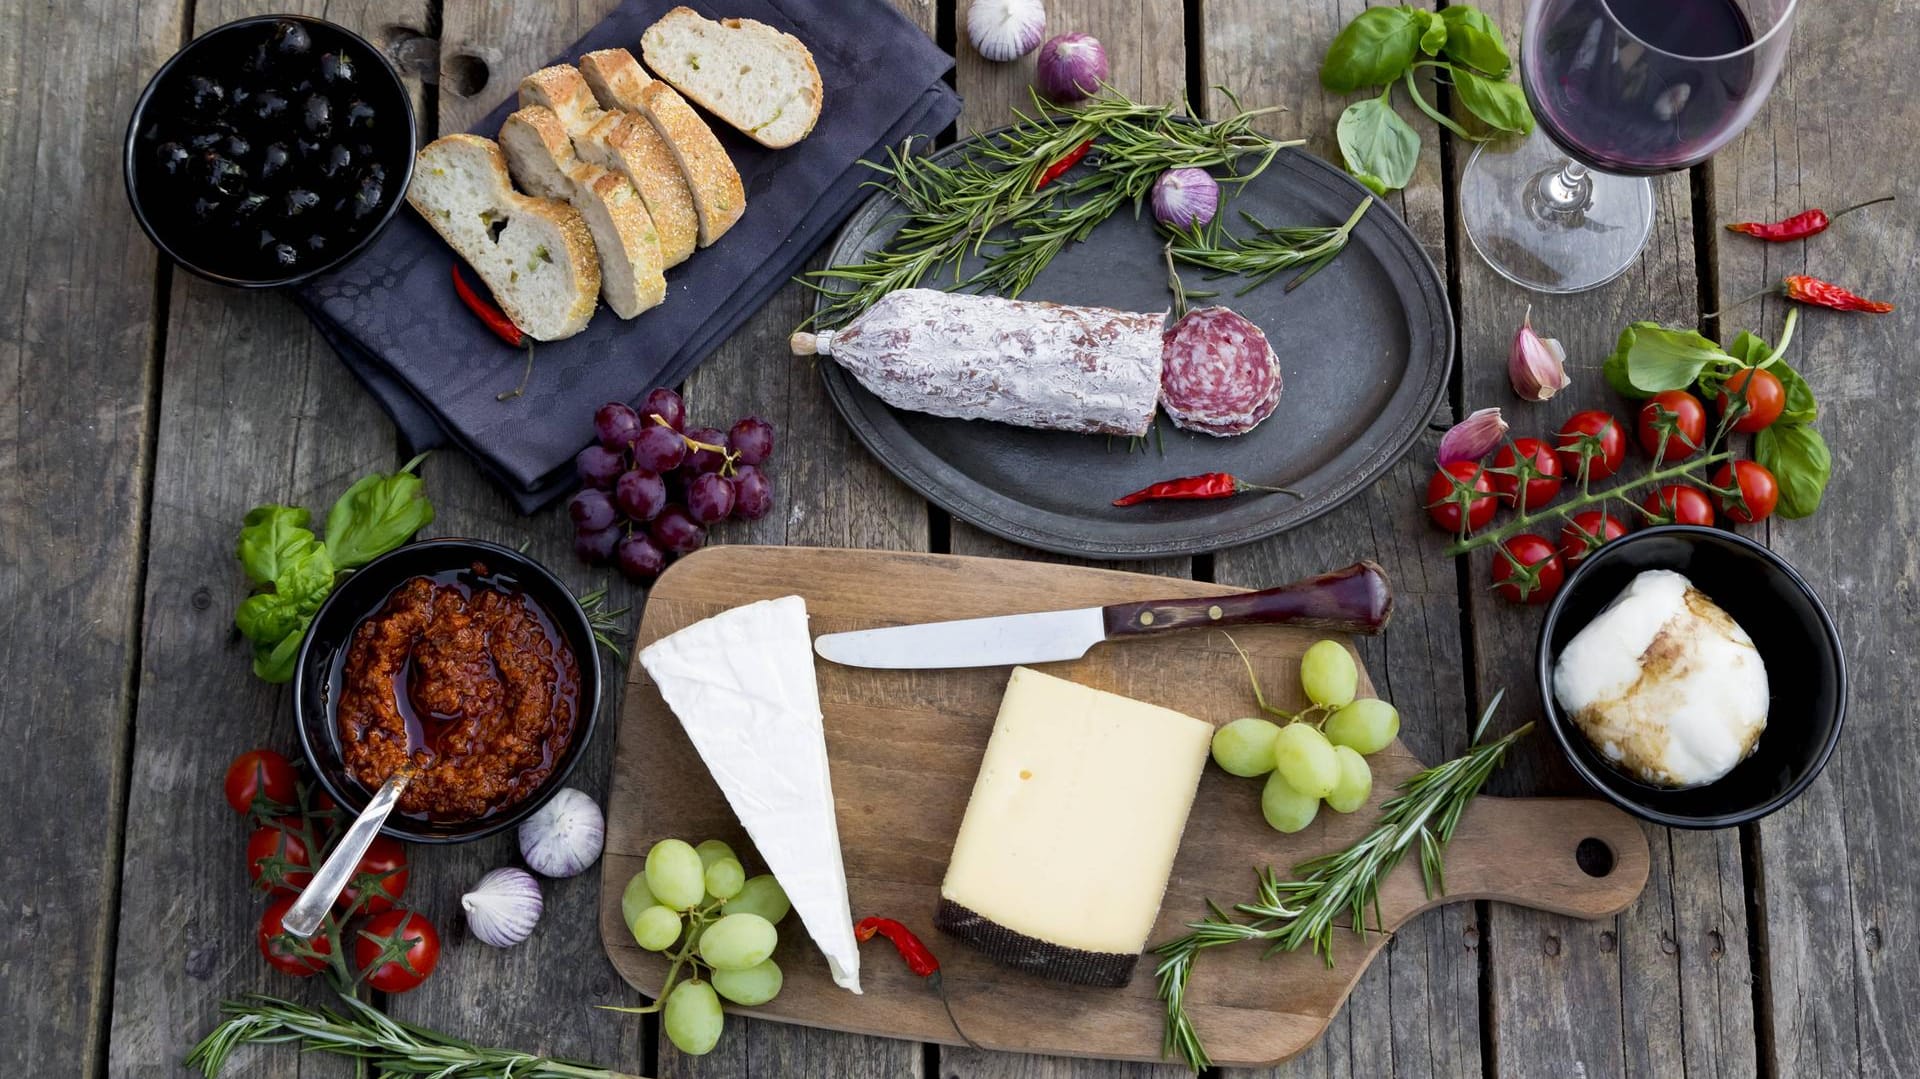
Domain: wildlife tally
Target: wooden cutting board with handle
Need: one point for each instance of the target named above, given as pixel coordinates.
(904, 747)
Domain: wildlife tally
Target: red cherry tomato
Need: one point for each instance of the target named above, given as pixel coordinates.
(1679, 504)
(1766, 398)
(260, 773)
(1529, 570)
(280, 950)
(278, 860)
(1606, 439)
(1542, 485)
(1686, 419)
(382, 872)
(1758, 491)
(422, 953)
(1587, 532)
(1443, 504)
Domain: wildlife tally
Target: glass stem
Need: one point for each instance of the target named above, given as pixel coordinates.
(1567, 190)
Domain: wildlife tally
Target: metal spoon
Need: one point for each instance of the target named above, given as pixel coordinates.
(303, 918)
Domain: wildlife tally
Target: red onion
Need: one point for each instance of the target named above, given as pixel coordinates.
(1071, 68)
(1184, 198)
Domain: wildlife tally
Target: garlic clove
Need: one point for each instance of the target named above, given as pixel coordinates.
(563, 837)
(503, 907)
(1536, 366)
(1004, 30)
(1472, 438)
(1185, 198)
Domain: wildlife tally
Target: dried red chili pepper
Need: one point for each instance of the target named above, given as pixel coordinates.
(1207, 485)
(919, 960)
(1058, 168)
(494, 318)
(1799, 226)
(1811, 290)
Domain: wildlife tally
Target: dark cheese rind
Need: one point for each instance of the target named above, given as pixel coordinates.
(1031, 954)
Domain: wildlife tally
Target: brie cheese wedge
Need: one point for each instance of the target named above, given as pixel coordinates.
(742, 685)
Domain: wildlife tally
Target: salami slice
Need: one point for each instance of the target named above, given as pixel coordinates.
(1218, 376)
(1088, 369)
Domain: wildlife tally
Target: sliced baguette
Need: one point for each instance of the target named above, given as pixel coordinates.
(540, 157)
(749, 74)
(623, 144)
(619, 82)
(535, 254)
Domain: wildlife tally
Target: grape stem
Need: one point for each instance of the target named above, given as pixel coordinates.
(696, 921)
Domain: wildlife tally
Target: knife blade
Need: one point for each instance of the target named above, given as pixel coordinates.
(1351, 600)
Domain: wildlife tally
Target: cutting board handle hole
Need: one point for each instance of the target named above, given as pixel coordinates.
(1594, 857)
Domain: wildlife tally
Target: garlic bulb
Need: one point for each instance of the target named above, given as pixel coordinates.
(1006, 29)
(1071, 68)
(503, 908)
(1185, 198)
(564, 836)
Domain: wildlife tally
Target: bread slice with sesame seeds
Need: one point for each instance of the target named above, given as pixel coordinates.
(757, 78)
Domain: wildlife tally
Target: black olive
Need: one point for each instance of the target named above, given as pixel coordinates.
(376, 172)
(173, 158)
(268, 105)
(206, 140)
(284, 254)
(306, 147)
(267, 239)
(300, 200)
(272, 159)
(336, 160)
(223, 174)
(248, 207)
(236, 146)
(336, 67)
(317, 115)
(205, 95)
(317, 242)
(205, 207)
(359, 114)
(291, 38)
(152, 133)
(260, 60)
(367, 199)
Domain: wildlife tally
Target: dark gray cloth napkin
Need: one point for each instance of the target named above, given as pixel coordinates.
(393, 317)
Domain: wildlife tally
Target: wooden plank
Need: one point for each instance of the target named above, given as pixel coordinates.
(254, 408)
(1841, 873)
(77, 329)
(1604, 997)
(1416, 1011)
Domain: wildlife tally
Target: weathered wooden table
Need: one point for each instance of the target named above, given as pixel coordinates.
(142, 411)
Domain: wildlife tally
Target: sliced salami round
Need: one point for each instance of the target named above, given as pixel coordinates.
(1218, 376)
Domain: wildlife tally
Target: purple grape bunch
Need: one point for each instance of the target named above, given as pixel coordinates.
(653, 487)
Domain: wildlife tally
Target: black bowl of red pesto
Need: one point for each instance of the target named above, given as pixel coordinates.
(269, 149)
(466, 661)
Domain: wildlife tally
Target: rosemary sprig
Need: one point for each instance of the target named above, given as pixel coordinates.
(362, 1032)
(1290, 913)
(1267, 250)
(987, 202)
(607, 627)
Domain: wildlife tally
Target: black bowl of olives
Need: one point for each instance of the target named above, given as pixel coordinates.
(269, 149)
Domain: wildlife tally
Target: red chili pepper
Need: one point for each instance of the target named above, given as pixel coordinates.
(494, 318)
(1054, 171)
(919, 960)
(1799, 226)
(1803, 289)
(1207, 485)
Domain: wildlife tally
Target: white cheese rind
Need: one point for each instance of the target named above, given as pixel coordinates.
(742, 685)
(1070, 833)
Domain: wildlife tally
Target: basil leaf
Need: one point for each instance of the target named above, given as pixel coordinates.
(270, 537)
(1660, 358)
(1800, 462)
(375, 515)
(266, 617)
(1380, 148)
(1615, 369)
(1372, 50)
(1473, 40)
(1500, 105)
(274, 662)
(1749, 349)
(1801, 406)
(1434, 36)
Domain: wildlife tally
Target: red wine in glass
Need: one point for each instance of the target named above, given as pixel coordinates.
(1641, 86)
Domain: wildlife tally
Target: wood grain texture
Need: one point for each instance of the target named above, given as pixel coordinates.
(78, 321)
(906, 746)
(1416, 1010)
(1604, 998)
(1841, 868)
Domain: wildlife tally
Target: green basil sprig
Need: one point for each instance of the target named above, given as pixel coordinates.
(1385, 45)
(293, 571)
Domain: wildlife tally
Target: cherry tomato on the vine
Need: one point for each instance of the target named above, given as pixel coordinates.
(1542, 476)
(1766, 398)
(1604, 438)
(1461, 481)
(391, 975)
(280, 950)
(1759, 493)
(1586, 532)
(1679, 504)
(1676, 420)
(1527, 569)
(383, 870)
(278, 859)
(260, 773)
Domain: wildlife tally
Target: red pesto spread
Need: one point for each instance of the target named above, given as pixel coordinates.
(470, 683)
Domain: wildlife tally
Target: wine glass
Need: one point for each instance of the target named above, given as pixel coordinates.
(1621, 90)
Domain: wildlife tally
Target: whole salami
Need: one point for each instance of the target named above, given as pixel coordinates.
(1220, 377)
(1087, 369)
